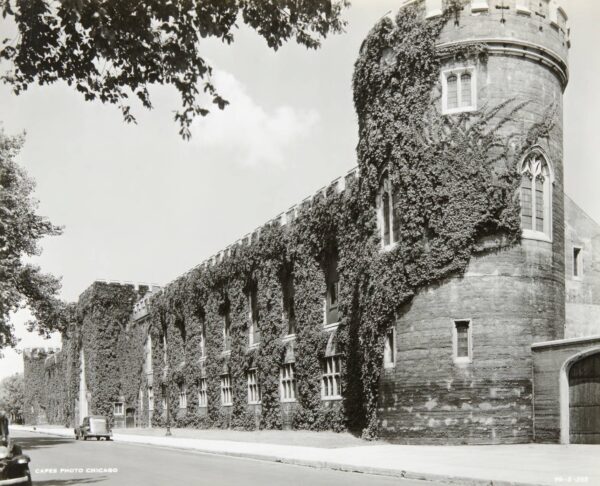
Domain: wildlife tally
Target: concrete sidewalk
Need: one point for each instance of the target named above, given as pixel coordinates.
(539, 464)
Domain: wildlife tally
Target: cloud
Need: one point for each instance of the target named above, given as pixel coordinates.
(248, 134)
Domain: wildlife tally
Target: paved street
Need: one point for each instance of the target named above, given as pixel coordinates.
(57, 461)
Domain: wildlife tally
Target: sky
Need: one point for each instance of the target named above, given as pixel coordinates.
(139, 204)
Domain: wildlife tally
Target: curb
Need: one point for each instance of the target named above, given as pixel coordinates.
(378, 471)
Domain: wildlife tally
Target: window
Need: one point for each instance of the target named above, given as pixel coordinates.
(288, 383)
(462, 341)
(536, 197)
(332, 315)
(577, 263)
(202, 338)
(118, 408)
(253, 331)
(182, 396)
(226, 398)
(149, 355)
(226, 331)
(459, 90)
(253, 387)
(331, 386)
(202, 393)
(388, 218)
(389, 351)
(150, 399)
(287, 288)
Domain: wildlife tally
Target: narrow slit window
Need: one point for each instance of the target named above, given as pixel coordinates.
(287, 287)
(202, 393)
(526, 202)
(465, 90)
(577, 267)
(332, 315)
(389, 357)
(462, 338)
(386, 218)
(182, 396)
(253, 329)
(452, 91)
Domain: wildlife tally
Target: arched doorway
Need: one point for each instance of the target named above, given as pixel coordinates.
(584, 400)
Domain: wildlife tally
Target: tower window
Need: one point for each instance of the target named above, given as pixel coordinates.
(577, 262)
(462, 341)
(459, 90)
(388, 218)
(536, 197)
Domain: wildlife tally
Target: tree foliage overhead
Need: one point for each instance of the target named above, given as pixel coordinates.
(21, 228)
(113, 50)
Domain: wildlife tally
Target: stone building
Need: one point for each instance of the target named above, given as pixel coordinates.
(507, 351)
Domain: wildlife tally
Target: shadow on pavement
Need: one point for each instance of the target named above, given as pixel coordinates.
(30, 443)
(65, 482)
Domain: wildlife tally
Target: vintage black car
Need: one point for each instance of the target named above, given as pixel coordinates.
(93, 426)
(14, 465)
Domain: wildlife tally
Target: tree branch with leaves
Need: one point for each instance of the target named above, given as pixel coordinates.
(114, 50)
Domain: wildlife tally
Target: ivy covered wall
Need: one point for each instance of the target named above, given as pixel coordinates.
(455, 184)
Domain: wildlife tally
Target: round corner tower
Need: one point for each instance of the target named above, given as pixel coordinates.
(462, 371)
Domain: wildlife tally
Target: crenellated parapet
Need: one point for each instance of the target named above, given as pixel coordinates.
(40, 353)
(537, 30)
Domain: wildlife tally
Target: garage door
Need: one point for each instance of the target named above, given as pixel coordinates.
(584, 401)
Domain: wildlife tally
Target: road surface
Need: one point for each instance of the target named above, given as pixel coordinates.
(57, 461)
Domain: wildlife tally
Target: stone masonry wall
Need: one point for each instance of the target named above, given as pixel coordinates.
(582, 305)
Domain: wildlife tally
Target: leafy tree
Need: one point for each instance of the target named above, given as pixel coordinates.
(21, 228)
(112, 50)
(11, 396)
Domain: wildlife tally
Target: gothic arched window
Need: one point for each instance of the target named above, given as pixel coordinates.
(536, 196)
(389, 221)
